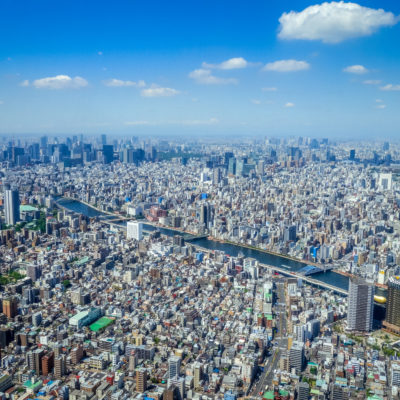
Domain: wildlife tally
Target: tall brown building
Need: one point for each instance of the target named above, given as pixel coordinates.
(10, 307)
(47, 363)
(141, 380)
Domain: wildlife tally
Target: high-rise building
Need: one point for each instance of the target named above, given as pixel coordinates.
(392, 321)
(5, 382)
(134, 230)
(37, 360)
(361, 305)
(395, 376)
(177, 386)
(141, 380)
(60, 366)
(198, 372)
(76, 354)
(337, 392)
(6, 336)
(204, 214)
(174, 366)
(290, 234)
(47, 363)
(217, 176)
(10, 307)
(303, 391)
(232, 166)
(108, 153)
(33, 271)
(296, 356)
(11, 205)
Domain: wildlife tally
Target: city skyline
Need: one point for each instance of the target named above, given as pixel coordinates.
(305, 68)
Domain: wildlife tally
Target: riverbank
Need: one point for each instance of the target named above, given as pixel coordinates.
(273, 259)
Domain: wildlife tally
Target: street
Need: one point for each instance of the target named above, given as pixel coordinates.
(280, 341)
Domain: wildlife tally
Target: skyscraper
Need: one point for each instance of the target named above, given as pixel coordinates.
(361, 305)
(108, 153)
(392, 321)
(11, 205)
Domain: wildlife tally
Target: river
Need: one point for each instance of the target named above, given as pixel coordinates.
(330, 277)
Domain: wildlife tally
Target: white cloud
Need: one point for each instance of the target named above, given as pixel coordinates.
(255, 101)
(232, 63)
(269, 89)
(1, 102)
(356, 69)
(372, 82)
(334, 22)
(138, 123)
(211, 121)
(204, 76)
(379, 101)
(24, 83)
(289, 105)
(189, 122)
(156, 91)
(391, 88)
(120, 83)
(100, 53)
(60, 82)
(380, 106)
(287, 66)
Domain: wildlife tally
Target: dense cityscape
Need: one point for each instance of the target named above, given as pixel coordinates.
(191, 269)
(199, 200)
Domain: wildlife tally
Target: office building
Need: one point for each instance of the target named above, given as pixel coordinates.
(134, 230)
(360, 305)
(392, 321)
(11, 205)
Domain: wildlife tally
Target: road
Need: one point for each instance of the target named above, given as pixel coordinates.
(280, 341)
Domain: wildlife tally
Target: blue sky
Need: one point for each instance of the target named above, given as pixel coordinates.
(262, 67)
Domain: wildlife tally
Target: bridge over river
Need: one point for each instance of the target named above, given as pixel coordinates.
(328, 279)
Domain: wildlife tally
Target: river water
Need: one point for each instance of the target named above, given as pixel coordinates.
(330, 277)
